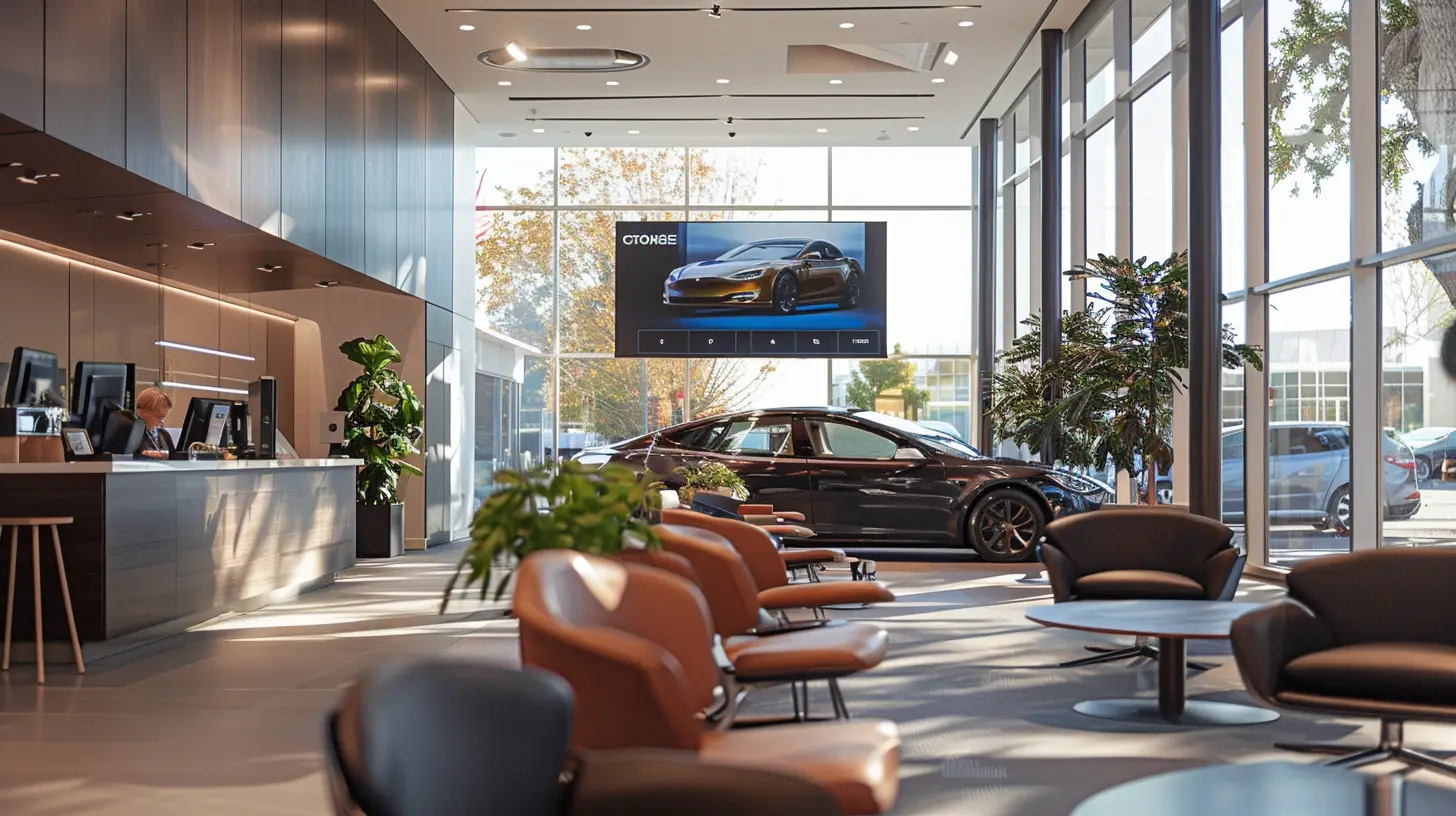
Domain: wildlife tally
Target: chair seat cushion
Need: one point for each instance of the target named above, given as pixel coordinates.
(856, 761)
(826, 651)
(828, 593)
(1416, 673)
(1137, 585)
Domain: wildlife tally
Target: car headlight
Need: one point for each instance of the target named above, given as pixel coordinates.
(593, 459)
(747, 274)
(676, 273)
(1081, 485)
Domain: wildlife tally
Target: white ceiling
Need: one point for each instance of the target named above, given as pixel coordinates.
(690, 51)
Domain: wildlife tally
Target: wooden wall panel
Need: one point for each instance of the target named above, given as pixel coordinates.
(381, 144)
(214, 104)
(344, 157)
(22, 62)
(304, 122)
(85, 80)
(412, 168)
(262, 114)
(440, 194)
(156, 91)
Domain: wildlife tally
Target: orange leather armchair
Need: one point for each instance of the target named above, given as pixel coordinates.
(635, 644)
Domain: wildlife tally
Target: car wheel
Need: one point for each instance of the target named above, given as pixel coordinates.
(1005, 526)
(1339, 511)
(786, 293)
(1164, 492)
(1423, 468)
(851, 293)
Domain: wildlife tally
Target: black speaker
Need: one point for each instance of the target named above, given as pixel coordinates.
(263, 417)
(238, 430)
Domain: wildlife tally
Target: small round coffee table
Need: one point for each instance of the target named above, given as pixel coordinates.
(1173, 623)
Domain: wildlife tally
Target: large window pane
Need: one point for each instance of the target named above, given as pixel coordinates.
(1022, 292)
(1417, 121)
(632, 176)
(721, 385)
(1309, 137)
(758, 215)
(1022, 127)
(1152, 173)
(514, 176)
(929, 264)
(1233, 426)
(537, 422)
(795, 176)
(1231, 191)
(1101, 78)
(943, 386)
(588, 256)
(1309, 416)
(513, 285)
(601, 402)
(1101, 200)
(902, 176)
(1152, 34)
(1066, 259)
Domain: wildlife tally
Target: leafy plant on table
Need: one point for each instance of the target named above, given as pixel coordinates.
(384, 420)
(599, 512)
(710, 476)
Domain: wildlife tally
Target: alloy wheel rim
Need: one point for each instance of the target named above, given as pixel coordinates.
(1007, 527)
(789, 298)
(1423, 469)
(1342, 510)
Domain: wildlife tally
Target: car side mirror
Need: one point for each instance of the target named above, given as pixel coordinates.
(909, 454)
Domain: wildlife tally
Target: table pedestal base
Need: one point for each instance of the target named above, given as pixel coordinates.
(1195, 712)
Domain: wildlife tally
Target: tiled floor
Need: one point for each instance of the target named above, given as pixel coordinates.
(226, 719)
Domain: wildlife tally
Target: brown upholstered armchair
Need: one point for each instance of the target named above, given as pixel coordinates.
(1368, 634)
(1145, 553)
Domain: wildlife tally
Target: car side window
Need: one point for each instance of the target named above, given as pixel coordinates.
(841, 441)
(814, 251)
(1283, 442)
(700, 438)
(832, 252)
(1233, 446)
(1332, 439)
(757, 436)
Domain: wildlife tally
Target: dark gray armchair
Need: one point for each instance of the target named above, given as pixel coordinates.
(1139, 553)
(1367, 634)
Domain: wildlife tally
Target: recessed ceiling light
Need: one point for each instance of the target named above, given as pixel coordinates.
(822, 130)
(516, 51)
(965, 24)
(938, 80)
(846, 25)
(326, 284)
(836, 82)
(722, 82)
(467, 28)
(504, 83)
(951, 58)
(583, 27)
(633, 132)
(614, 83)
(912, 128)
(538, 130)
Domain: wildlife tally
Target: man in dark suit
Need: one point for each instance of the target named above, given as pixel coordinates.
(152, 407)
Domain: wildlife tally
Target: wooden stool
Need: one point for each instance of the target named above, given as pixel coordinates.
(35, 524)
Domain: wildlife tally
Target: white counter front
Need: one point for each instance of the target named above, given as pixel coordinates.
(168, 466)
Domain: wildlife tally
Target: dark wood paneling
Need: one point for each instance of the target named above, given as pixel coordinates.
(85, 82)
(22, 62)
(344, 160)
(82, 497)
(412, 169)
(262, 114)
(214, 104)
(381, 145)
(304, 121)
(156, 91)
(439, 192)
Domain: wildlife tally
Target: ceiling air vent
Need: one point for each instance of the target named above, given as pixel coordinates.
(566, 60)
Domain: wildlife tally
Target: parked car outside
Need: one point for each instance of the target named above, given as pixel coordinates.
(1432, 447)
(781, 274)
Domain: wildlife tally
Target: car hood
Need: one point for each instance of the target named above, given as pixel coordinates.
(720, 269)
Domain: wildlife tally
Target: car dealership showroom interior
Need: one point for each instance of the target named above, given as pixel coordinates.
(768, 407)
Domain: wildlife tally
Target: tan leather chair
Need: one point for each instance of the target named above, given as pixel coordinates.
(635, 644)
(827, 652)
(775, 593)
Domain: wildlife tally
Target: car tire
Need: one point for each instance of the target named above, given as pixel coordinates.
(1339, 512)
(1423, 468)
(987, 528)
(851, 292)
(786, 293)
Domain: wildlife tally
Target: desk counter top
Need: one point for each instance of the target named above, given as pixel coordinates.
(167, 466)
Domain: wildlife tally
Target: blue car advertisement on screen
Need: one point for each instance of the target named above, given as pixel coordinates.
(750, 288)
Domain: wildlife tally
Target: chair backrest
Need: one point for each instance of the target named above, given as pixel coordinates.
(439, 737)
(634, 642)
(725, 580)
(752, 542)
(1148, 538)
(664, 560)
(1381, 596)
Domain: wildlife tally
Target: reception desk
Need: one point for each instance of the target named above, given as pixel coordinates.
(159, 544)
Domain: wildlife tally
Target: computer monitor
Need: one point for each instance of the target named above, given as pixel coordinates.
(34, 378)
(207, 422)
(97, 387)
(123, 432)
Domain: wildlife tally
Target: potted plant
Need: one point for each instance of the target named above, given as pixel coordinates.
(600, 512)
(1109, 397)
(381, 427)
(711, 477)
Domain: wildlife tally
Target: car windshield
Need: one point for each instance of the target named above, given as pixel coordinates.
(1421, 436)
(764, 252)
(942, 442)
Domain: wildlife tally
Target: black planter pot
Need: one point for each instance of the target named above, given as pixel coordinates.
(378, 530)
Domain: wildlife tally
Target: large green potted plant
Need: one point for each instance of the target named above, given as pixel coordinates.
(382, 426)
(600, 512)
(1110, 395)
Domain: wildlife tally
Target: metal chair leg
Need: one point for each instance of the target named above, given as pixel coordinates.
(1426, 762)
(836, 695)
(1360, 760)
(10, 597)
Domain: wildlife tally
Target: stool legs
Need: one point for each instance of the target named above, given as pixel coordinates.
(39, 626)
(66, 596)
(10, 597)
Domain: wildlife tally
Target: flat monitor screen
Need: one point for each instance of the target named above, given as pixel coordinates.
(750, 288)
(217, 424)
(34, 378)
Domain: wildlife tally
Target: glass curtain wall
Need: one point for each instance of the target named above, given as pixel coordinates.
(546, 276)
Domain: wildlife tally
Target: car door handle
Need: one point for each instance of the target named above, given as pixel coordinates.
(838, 473)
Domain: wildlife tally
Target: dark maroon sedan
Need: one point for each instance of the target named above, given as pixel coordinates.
(863, 478)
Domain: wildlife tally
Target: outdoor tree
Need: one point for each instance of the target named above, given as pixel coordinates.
(518, 295)
(875, 377)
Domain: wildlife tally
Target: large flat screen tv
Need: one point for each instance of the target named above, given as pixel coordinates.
(750, 289)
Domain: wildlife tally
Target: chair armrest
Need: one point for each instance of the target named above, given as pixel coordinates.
(1061, 572)
(631, 780)
(1268, 638)
(1220, 578)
